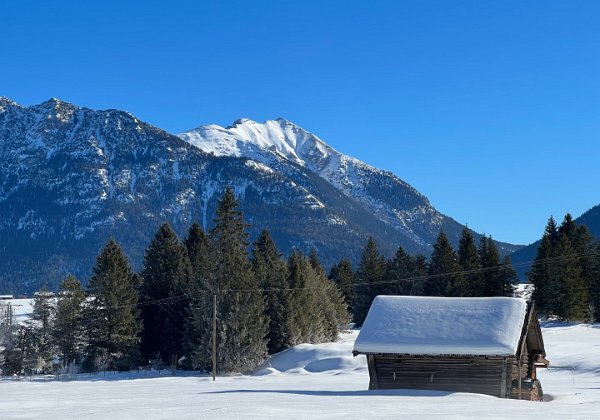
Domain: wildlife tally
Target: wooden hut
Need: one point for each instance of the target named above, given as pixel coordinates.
(483, 345)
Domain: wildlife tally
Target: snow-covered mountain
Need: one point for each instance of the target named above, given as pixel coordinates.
(277, 142)
(72, 177)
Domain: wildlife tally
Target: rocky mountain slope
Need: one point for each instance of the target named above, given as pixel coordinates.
(278, 143)
(72, 177)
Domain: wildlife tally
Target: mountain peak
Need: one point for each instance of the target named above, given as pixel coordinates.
(54, 102)
(274, 138)
(4, 101)
(242, 121)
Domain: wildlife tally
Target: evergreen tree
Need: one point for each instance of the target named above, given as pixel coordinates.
(400, 273)
(498, 280)
(573, 291)
(583, 245)
(421, 270)
(509, 276)
(367, 280)
(468, 259)
(40, 348)
(304, 317)
(317, 308)
(563, 272)
(595, 283)
(197, 324)
(242, 326)
(198, 249)
(69, 327)
(551, 231)
(15, 346)
(166, 272)
(313, 258)
(331, 306)
(542, 276)
(271, 272)
(342, 275)
(568, 227)
(112, 321)
(443, 269)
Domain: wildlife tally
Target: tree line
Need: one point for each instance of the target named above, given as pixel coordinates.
(163, 315)
(566, 272)
(265, 303)
(471, 271)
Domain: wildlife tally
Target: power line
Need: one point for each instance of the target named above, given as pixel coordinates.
(195, 294)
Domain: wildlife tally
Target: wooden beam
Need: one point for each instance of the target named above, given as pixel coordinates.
(374, 381)
(503, 382)
(541, 359)
(520, 379)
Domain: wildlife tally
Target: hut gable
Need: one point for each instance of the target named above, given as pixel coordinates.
(421, 325)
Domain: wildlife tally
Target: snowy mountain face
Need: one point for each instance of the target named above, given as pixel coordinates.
(72, 177)
(277, 142)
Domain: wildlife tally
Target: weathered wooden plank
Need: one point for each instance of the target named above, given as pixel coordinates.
(373, 381)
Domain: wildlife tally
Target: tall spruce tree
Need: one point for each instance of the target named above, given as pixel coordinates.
(573, 301)
(400, 274)
(242, 326)
(421, 270)
(563, 271)
(443, 269)
(568, 227)
(198, 249)
(468, 259)
(197, 325)
(165, 274)
(112, 321)
(69, 325)
(317, 308)
(342, 275)
(15, 345)
(498, 280)
(315, 263)
(331, 305)
(583, 245)
(509, 276)
(367, 280)
(542, 277)
(270, 270)
(595, 283)
(304, 317)
(40, 349)
(551, 231)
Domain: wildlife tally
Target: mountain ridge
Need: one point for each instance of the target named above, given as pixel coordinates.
(394, 201)
(71, 177)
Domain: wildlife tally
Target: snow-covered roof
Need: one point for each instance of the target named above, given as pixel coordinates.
(442, 325)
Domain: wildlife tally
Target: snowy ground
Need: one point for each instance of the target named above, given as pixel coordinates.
(311, 382)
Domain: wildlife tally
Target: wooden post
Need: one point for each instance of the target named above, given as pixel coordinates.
(214, 338)
(373, 379)
(520, 379)
(503, 382)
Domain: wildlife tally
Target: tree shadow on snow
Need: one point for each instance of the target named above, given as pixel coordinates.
(364, 393)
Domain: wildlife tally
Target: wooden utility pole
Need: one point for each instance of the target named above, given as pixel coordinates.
(214, 338)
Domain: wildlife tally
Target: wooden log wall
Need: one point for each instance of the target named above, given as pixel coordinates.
(491, 376)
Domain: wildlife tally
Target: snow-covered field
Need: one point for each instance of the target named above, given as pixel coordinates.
(311, 382)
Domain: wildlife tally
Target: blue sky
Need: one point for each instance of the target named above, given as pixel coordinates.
(489, 108)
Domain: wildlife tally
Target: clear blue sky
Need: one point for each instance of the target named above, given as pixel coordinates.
(489, 108)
